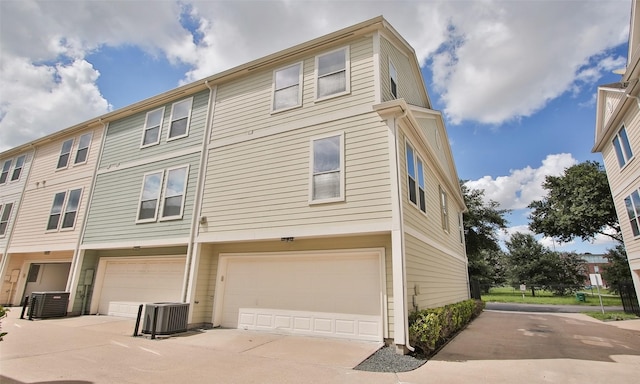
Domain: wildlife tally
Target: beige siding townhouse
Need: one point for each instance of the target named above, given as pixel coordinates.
(617, 137)
(330, 203)
(51, 210)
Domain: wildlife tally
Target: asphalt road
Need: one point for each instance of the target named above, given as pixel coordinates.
(515, 307)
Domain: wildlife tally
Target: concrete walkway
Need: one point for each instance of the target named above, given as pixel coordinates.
(498, 347)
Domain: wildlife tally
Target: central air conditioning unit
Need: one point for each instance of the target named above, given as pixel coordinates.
(48, 304)
(171, 318)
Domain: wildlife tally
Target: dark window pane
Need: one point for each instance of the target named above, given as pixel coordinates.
(16, 174)
(332, 62)
(423, 202)
(619, 155)
(147, 210)
(69, 220)
(172, 206)
(34, 270)
(53, 221)
(63, 160)
(634, 227)
(3, 227)
(625, 144)
(178, 127)
(151, 135)
(412, 190)
(81, 156)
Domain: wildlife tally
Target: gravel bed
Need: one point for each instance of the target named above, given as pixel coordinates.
(387, 360)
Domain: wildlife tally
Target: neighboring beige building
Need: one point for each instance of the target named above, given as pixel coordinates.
(51, 212)
(312, 192)
(617, 137)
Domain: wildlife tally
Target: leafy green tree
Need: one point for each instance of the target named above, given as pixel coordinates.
(578, 204)
(535, 265)
(618, 271)
(481, 222)
(530, 262)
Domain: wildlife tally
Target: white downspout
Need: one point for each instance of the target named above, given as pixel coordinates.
(197, 206)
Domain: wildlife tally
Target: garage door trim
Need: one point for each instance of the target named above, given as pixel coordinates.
(224, 259)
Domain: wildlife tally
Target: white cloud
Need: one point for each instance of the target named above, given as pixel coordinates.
(492, 61)
(522, 186)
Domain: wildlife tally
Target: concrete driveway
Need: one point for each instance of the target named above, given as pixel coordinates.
(498, 347)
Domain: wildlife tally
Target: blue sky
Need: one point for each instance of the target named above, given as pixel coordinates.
(516, 80)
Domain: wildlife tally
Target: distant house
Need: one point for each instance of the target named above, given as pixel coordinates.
(312, 192)
(593, 262)
(617, 137)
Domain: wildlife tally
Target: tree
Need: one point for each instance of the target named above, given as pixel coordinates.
(578, 204)
(529, 262)
(618, 271)
(533, 264)
(481, 223)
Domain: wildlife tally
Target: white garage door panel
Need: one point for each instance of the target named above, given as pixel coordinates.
(129, 283)
(333, 295)
(339, 325)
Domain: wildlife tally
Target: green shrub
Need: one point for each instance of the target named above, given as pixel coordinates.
(3, 314)
(431, 328)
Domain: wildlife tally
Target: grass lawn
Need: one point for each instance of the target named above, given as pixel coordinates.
(611, 316)
(511, 295)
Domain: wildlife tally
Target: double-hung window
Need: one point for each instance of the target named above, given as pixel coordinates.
(393, 80)
(622, 147)
(332, 73)
(152, 126)
(180, 115)
(17, 169)
(444, 204)
(287, 89)
(83, 148)
(4, 173)
(5, 214)
(64, 210)
(166, 186)
(175, 189)
(632, 203)
(327, 169)
(65, 153)
(415, 179)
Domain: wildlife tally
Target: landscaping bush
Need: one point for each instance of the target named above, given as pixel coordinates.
(429, 329)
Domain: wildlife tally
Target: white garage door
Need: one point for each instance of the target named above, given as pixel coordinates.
(129, 283)
(334, 295)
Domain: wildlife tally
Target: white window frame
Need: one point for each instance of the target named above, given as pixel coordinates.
(6, 170)
(58, 167)
(461, 227)
(444, 209)
(164, 196)
(634, 204)
(275, 90)
(622, 147)
(158, 198)
(392, 80)
(341, 169)
(347, 74)
(418, 166)
(16, 168)
(145, 128)
(78, 149)
(63, 211)
(3, 220)
(171, 119)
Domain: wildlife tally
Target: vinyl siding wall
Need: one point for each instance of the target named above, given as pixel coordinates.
(122, 145)
(408, 85)
(44, 182)
(244, 105)
(264, 183)
(112, 217)
(11, 193)
(440, 277)
(624, 181)
(207, 269)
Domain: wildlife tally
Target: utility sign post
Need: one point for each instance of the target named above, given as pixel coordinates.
(596, 279)
(523, 289)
